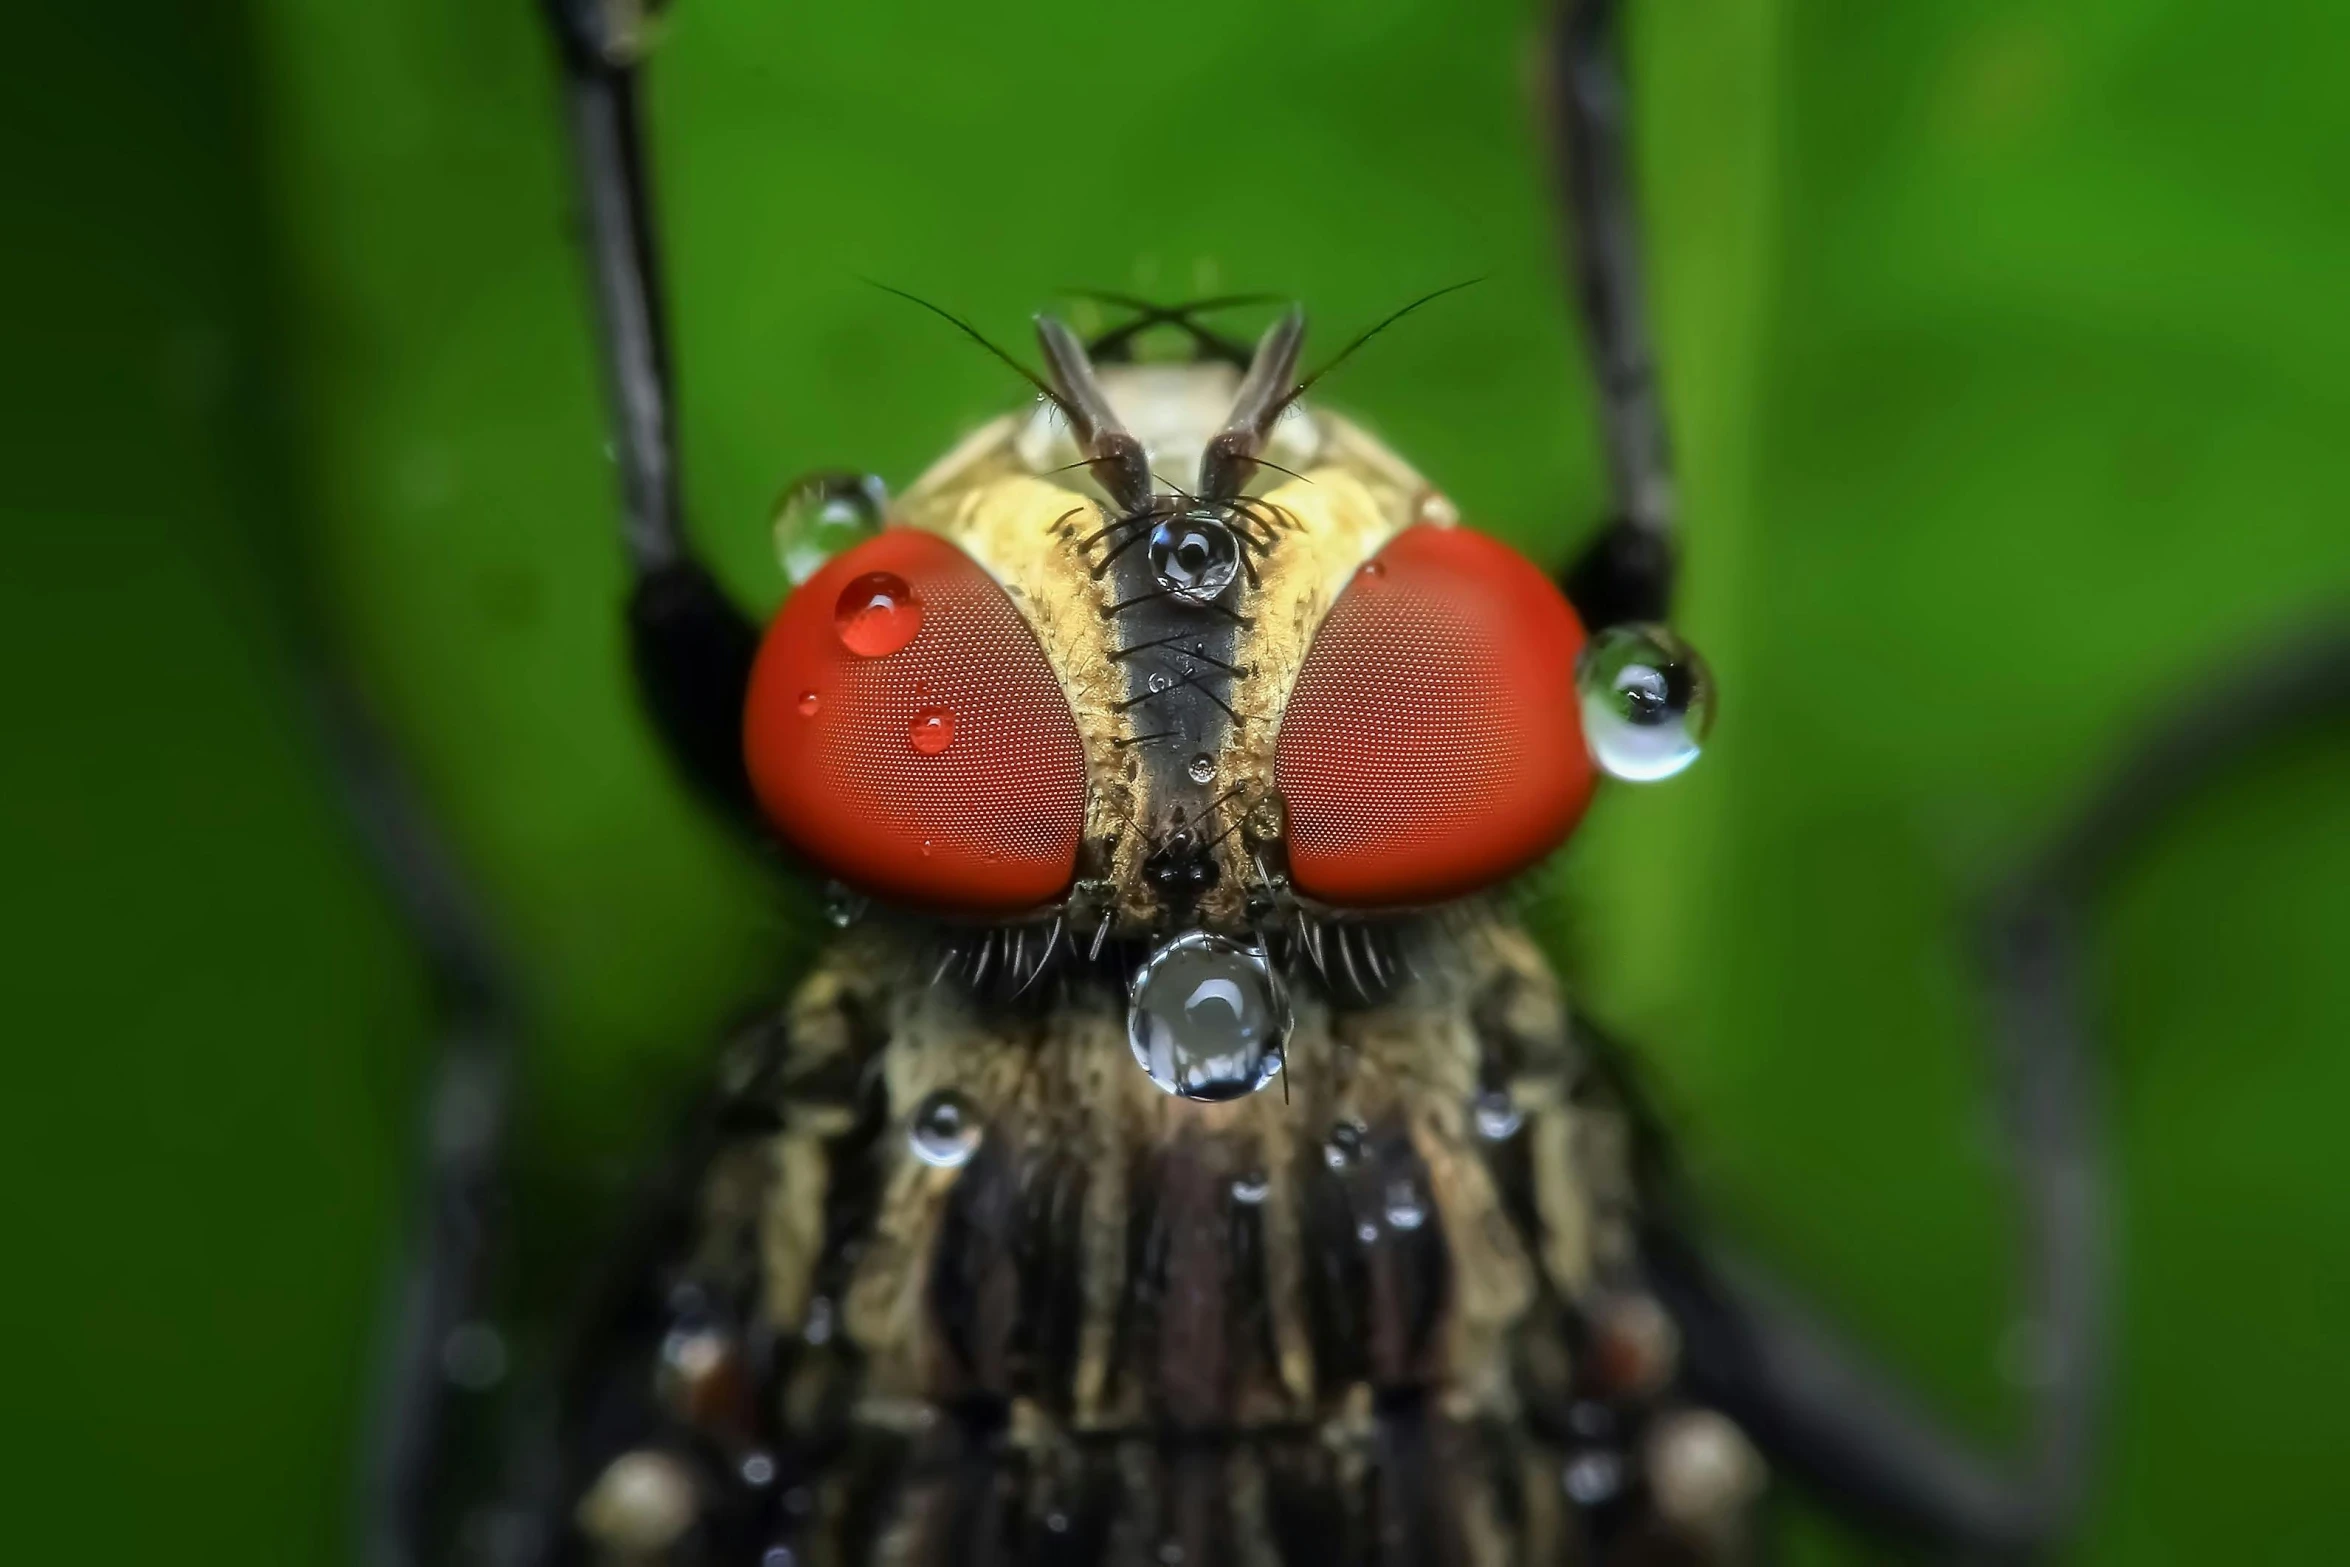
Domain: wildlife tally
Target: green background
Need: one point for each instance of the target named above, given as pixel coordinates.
(2008, 368)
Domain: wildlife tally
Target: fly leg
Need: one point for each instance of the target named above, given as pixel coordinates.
(1626, 572)
(691, 645)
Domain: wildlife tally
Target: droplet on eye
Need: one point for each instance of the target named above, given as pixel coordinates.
(1206, 1019)
(876, 614)
(933, 730)
(1202, 768)
(1647, 702)
(945, 1131)
(822, 516)
(1194, 557)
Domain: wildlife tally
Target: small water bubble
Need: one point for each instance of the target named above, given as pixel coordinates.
(1206, 1019)
(1195, 557)
(821, 516)
(1591, 1478)
(1171, 1554)
(843, 905)
(1249, 1190)
(927, 848)
(1405, 1209)
(1647, 702)
(932, 731)
(473, 1356)
(1367, 1232)
(1344, 1145)
(1373, 568)
(1057, 1522)
(758, 1469)
(1497, 1115)
(817, 1329)
(1202, 768)
(810, 704)
(779, 1556)
(945, 1130)
(1160, 680)
(876, 614)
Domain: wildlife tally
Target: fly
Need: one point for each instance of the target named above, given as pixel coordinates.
(1180, 1155)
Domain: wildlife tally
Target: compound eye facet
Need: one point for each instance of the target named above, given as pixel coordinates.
(905, 732)
(1432, 744)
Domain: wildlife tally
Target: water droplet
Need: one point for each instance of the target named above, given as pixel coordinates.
(1206, 1018)
(927, 847)
(818, 1328)
(1344, 1146)
(1591, 1478)
(876, 614)
(1160, 680)
(758, 1469)
(473, 1356)
(1373, 568)
(1497, 1115)
(1195, 557)
(1367, 1232)
(1202, 768)
(933, 731)
(1171, 1553)
(945, 1131)
(1250, 1189)
(821, 516)
(1647, 702)
(843, 905)
(810, 704)
(1057, 1522)
(779, 1556)
(1405, 1209)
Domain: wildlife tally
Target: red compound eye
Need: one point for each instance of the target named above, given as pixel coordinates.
(905, 732)
(1432, 744)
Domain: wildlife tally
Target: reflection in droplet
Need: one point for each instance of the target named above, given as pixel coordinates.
(1647, 702)
(1206, 1018)
(1405, 1208)
(821, 516)
(1160, 680)
(932, 731)
(1367, 1232)
(876, 614)
(1194, 557)
(1497, 1115)
(1202, 768)
(1250, 1189)
(945, 1130)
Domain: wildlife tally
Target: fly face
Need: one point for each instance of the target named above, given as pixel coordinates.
(1177, 674)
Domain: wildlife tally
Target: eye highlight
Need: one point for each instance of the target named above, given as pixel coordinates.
(1432, 744)
(905, 732)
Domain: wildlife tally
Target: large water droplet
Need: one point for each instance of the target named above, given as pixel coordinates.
(1591, 1478)
(1206, 1019)
(1406, 1209)
(877, 614)
(810, 704)
(1647, 702)
(1250, 1189)
(933, 730)
(1497, 1115)
(1344, 1146)
(821, 516)
(1194, 557)
(945, 1130)
(1202, 768)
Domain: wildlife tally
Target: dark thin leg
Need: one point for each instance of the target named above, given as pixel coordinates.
(438, 1340)
(1626, 572)
(692, 648)
(1830, 1421)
